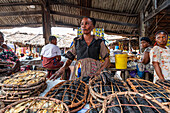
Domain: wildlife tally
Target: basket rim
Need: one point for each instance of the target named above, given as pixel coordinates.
(74, 104)
(22, 86)
(134, 93)
(36, 98)
(97, 94)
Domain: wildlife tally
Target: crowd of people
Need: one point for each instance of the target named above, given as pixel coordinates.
(89, 50)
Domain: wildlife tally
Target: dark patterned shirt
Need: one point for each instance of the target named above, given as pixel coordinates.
(82, 50)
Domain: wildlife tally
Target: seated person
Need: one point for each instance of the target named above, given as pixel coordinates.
(51, 56)
(6, 54)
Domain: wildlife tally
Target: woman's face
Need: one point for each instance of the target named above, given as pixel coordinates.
(86, 25)
(161, 39)
(144, 44)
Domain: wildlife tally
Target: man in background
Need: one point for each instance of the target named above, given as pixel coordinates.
(51, 56)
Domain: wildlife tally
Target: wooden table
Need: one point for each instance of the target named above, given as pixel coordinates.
(124, 72)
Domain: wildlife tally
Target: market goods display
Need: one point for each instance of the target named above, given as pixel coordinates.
(72, 92)
(93, 102)
(96, 109)
(102, 86)
(22, 85)
(150, 89)
(132, 102)
(5, 67)
(37, 105)
(165, 84)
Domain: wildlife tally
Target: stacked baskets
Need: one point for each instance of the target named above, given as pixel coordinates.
(37, 105)
(22, 85)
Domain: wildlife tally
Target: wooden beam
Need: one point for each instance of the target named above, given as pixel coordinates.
(99, 20)
(159, 9)
(21, 13)
(19, 3)
(21, 25)
(46, 20)
(122, 34)
(147, 4)
(85, 3)
(96, 9)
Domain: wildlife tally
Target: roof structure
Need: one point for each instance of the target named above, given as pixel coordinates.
(120, 17)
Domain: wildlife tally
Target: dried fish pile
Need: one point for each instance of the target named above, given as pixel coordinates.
(2, 105)
(72, 92)
(132, 102)
(150, 89)
(164, 84)
(37, 105)
(22, 85)
(102, 86)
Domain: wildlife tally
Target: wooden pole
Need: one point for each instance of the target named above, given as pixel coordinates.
(46, 21)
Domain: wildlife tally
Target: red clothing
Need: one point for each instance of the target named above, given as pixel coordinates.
(51, 63)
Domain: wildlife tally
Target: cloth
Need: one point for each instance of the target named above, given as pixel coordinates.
(148, 67)
(51, 63)
(50, 50)
(162, 56)
(85, 68)
(9, 56)
(80, 49)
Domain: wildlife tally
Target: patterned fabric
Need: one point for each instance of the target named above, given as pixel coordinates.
(162, 56)
(85, 68)
(8, 55)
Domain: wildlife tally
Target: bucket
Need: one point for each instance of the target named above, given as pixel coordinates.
(121, 61)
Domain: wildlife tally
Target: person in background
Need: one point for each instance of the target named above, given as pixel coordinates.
(145, 58)
(86, 49)
(6, 54)
(160, 57)
(51, 56)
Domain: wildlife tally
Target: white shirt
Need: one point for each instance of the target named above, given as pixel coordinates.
(50, 50)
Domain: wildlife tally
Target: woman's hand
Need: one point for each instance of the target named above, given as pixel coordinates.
(58, 73)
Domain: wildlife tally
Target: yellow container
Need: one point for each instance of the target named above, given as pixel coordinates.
(121, 61)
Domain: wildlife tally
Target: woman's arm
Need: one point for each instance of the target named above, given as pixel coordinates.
(146, 58)
(61, 71)
(158, 70)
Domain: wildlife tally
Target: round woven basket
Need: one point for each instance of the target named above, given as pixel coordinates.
(164, 84)
(37, 104)
(22, 79)
(132, 102)
(72, 92)
(96, 109)
(100, 91)
(153, 90)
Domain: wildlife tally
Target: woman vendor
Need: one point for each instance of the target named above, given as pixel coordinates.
(160, 57)
(87, 48)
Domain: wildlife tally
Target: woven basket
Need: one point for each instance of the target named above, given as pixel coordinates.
(37, 104)
(9, 97)
(164, 84)
(97, 88)
(72, 92)
(132, 102)
(93, 102)
(96, 109)
(150, 89)
(2, 105)
(24, 79)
